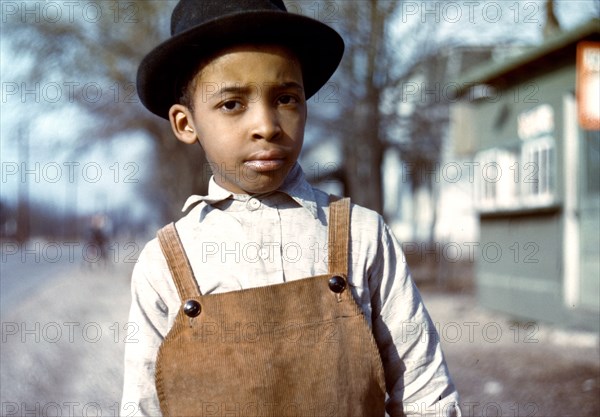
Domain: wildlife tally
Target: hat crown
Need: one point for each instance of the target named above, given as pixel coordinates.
(200, 28)
(190, 13)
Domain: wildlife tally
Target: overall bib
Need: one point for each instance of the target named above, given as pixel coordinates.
(301, 348)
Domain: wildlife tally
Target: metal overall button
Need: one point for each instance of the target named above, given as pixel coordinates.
(191, 308)
(337, 284)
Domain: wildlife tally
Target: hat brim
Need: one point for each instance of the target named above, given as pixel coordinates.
(318, 47)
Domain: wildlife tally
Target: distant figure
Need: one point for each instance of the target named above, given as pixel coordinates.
(97, 240)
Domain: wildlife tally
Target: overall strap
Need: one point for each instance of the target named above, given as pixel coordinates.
(339, 235)
(178, 263)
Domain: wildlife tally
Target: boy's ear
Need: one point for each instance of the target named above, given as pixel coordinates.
(182, 124)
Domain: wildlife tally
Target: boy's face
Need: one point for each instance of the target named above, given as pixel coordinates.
(249, 114)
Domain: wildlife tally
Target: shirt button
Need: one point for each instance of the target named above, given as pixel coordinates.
(253, 204)
(264, 254)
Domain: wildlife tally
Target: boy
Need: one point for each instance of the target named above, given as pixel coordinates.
(270, 298)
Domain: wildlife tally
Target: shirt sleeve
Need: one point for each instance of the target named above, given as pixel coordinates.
(147, 324)
(417, 378)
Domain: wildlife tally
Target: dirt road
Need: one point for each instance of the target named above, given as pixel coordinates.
(64, 328)
(506, 368)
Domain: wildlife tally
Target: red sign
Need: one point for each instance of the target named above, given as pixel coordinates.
(588, 85)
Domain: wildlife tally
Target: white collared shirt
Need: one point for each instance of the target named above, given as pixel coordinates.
(238, 241)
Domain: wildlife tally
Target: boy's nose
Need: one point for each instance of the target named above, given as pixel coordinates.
(266, 123)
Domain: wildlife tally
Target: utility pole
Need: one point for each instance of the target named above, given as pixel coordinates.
(23, 187)
(552, 25)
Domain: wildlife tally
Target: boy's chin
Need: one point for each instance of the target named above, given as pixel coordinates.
(261, 188)
(265, 182)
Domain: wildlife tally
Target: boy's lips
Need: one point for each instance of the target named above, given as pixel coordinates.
(264, 161)
(264, 165)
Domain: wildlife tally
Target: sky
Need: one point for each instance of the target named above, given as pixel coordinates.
(110, 175)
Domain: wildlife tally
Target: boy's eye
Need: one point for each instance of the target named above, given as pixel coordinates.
(287, 99)
(231, 105)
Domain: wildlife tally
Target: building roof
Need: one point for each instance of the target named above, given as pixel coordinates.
(554, 53)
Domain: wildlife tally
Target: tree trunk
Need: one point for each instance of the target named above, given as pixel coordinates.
(364, 149)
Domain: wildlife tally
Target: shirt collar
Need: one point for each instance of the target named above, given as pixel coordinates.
(295, 186)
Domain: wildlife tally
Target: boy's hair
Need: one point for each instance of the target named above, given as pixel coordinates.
(187, 94)
(186, 84)
(201, 28)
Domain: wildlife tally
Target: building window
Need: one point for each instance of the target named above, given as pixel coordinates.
(538, 163)
(592, 161)
(516, 178)
(495, 185)
(485, 190)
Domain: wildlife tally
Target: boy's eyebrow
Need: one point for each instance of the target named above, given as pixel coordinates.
(290, 84)
(251, 88)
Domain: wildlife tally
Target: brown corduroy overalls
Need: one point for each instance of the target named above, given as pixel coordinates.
(301, 348)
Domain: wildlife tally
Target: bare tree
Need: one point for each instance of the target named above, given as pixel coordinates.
(371, 75)
(93, 49)
(363, 77)
(377, 68)
(80, 48)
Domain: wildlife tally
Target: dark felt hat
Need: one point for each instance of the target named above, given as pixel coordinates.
(200, 28)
